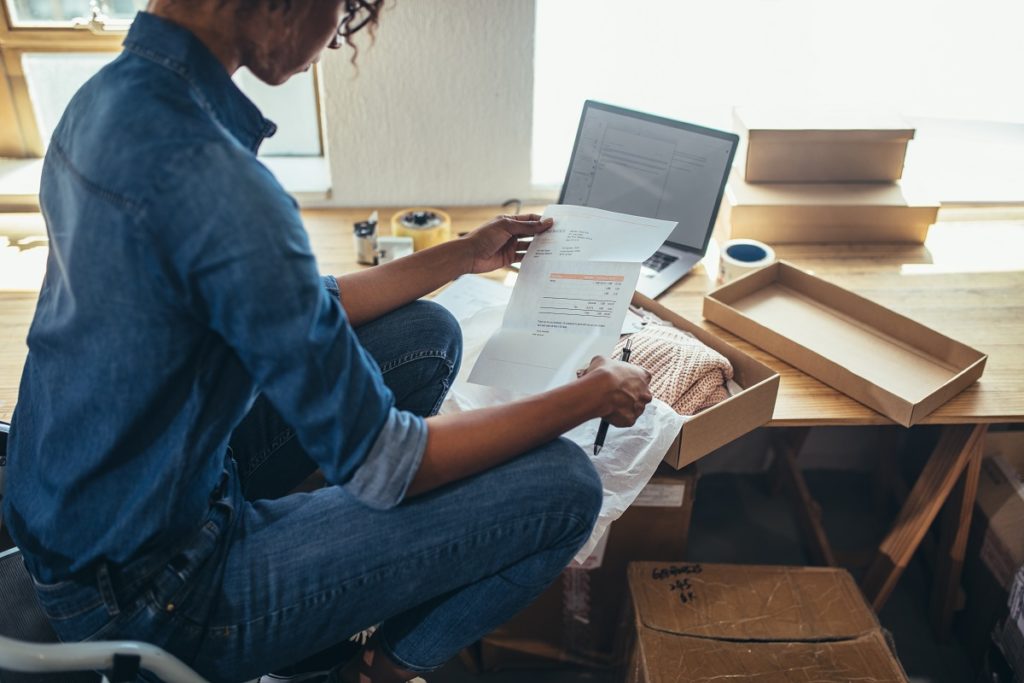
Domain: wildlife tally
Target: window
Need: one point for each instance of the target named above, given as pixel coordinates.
(934, 62)
(62, 12)
(49, 48)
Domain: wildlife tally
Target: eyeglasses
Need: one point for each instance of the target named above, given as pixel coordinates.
(358, 13)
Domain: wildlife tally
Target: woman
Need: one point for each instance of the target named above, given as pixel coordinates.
(188, 367)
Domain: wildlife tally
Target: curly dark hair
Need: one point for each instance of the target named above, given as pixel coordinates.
(359, 14)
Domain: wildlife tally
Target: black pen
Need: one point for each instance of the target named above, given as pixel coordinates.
(602, 431)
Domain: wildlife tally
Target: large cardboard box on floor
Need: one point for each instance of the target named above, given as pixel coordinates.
(806, 146)
(724, 422)
(872, 354)
(576, 619)
(823, 212)
(697, 623)
(995, 549)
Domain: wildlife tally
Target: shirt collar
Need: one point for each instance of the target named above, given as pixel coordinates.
(176, 48)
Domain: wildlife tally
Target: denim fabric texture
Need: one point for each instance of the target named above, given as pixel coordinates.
(180, 286)
(268, 579)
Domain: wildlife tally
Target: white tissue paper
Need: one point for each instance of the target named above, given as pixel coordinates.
(628, 458)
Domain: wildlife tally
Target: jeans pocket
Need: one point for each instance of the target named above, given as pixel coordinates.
(172, 585)
(65, 600)
(85, 619)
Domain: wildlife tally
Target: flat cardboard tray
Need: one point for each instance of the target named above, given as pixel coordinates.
(730, 419)
(886, 361)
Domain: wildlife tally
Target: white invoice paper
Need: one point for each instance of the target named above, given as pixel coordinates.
(570, 299)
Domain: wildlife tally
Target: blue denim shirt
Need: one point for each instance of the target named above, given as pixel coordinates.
(180, 283)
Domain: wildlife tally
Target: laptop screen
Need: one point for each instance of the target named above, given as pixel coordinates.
(649, 166)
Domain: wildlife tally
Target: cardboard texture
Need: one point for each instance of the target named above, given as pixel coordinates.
(712, 428)
(805, 146)
(823, 212)
(576, 619)
(996, 544)
(886, 361)
(707, 622)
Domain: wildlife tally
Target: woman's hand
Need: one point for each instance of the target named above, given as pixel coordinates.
(500, 242)
(627, 389)
(462, 444)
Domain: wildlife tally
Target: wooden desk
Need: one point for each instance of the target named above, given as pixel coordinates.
(943, 285)
(945, 291)
(948, 284)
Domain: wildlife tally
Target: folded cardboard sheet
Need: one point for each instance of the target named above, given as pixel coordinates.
(741, 413)
(824, 212)
(886, 361)
(706, 622)
(787, 146)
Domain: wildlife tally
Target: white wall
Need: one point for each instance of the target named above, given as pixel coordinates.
(440, 112)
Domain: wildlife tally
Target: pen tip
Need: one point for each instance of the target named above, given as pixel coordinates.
(597, 449)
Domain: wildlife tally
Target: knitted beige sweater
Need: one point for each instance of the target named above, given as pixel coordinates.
(685, 373)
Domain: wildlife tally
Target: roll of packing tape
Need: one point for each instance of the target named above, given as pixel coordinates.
(426, 227)
(739, 257)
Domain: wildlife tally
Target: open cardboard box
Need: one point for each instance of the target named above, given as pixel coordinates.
(691, 622)
(886, 361)
(803, 146)
(730, 419)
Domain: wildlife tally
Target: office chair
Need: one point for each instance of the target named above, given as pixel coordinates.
(29, 648)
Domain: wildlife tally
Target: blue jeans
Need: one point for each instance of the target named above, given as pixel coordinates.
(270, 579)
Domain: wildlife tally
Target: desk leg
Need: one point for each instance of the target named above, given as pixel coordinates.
(787, 443)
(955, 449)
(956, 523)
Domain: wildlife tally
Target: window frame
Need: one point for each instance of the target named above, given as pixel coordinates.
(22, 140)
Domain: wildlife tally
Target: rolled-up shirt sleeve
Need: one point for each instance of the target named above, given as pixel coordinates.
(331, 285)
(394, 458)
(392, 462)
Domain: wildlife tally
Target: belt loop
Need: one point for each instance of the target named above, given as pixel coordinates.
(107, 590)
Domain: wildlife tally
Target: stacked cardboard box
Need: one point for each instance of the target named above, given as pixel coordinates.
(575, 621)
(822, 177)
(995, 547)
(706, 622)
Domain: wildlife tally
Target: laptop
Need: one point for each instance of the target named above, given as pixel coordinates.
(650, 166)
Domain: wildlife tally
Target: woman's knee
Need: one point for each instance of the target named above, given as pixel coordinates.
(419, 350)
(567, 478)
(438, 327)
(416, 329)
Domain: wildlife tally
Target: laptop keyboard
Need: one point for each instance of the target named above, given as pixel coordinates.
(659, 261)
